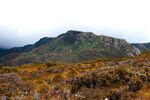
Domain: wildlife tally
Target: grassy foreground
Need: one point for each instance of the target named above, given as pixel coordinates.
(116, 79)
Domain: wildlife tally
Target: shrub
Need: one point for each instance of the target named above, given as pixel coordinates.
(50, 64)
(1, 67)
(115, 96)
(135, 86)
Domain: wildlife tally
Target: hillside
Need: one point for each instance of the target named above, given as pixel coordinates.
(71, 47)
(142, 46)
(117, 79)
(26, 48)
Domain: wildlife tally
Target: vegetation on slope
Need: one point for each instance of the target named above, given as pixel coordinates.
(116, 79)
(72, 46)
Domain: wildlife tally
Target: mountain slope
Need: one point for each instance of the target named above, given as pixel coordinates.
(26, 48)
(74, 46)
(142, 46)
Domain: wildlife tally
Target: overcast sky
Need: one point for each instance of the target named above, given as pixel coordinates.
(26, 21)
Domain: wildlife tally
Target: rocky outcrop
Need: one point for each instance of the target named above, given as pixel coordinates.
(142, 46)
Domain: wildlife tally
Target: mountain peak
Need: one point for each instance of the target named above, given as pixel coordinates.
(73, 32)
(72, 35)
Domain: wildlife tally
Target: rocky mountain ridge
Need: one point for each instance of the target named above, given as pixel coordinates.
(72, 46)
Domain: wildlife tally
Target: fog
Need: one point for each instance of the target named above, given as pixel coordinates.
(26, 21)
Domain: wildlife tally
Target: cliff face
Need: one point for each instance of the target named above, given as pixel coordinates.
(72, 46)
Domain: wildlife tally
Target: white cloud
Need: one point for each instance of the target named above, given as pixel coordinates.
(33, 19)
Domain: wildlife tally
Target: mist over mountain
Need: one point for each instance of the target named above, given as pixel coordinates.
(74, 50)
(26, 21)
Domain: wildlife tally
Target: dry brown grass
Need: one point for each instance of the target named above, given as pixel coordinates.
(55, 81)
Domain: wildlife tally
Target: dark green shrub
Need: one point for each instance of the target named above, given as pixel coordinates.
(135, 86)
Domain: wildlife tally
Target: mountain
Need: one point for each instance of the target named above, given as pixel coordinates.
(142, 46)
(72, 46)
(26, 48)
(3, 52)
